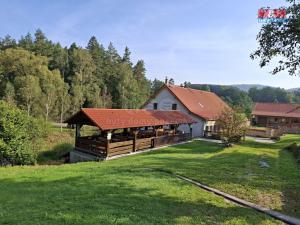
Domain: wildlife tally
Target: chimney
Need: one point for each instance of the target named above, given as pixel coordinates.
(166, 80)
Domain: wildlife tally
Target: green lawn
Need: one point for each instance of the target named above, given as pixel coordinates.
(125, 191)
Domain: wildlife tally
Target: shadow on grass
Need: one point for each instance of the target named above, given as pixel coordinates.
(56, 155)
(125, 198)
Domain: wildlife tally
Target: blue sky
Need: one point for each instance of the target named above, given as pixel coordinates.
(198, 41)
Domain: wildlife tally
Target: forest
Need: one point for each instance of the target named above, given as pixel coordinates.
(51, 81)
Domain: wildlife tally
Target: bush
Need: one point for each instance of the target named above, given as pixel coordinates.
(19, 136)
(295, 150)
(233, 125)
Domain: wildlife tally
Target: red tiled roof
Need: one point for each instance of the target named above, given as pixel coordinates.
(276, 109)
(201, 103)
(108, 119)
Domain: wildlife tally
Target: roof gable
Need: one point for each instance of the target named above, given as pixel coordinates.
(201, 103)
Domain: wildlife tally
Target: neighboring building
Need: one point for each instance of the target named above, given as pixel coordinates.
(203, 106)
(276, 115)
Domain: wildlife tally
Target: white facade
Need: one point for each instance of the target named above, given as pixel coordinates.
(165, 100)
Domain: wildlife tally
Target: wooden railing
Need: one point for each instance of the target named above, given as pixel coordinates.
(118, 148)
(91, 146)
(170, 139)
(143, 143)
(103, 149)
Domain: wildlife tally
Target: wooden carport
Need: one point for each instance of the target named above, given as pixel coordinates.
(128, 130)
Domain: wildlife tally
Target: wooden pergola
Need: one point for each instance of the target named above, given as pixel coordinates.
(128, 130)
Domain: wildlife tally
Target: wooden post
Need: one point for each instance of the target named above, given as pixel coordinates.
(135, 133)
(191, 130)
(108, 139)
(77, 133)
(78, 126)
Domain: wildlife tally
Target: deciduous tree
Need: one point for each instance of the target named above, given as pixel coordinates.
(233, 125)
(280, 41)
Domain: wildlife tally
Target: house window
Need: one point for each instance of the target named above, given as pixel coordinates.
(174, 106)
(155, 106)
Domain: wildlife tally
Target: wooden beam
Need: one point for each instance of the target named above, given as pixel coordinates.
(191, 130)
(78, 126)
(135, 133)
(108, 135)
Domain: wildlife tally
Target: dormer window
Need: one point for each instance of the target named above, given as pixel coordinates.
(155, 106)
(174, 106)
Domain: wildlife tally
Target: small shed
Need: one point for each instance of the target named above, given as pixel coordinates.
(123, 131)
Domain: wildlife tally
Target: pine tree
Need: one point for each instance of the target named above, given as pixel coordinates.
(98, 55)
(126, 57)
(96, 50)
(112, 54)
(41, 45)
(26, 42)
(155, 86)
(139, 73)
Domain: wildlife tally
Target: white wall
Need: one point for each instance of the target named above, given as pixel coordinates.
(165, 100)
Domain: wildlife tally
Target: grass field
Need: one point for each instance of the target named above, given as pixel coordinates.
(125, 191)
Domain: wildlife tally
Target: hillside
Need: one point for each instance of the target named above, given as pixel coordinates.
(246, 87)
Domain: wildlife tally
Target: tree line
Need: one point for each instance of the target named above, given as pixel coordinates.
(51, 81)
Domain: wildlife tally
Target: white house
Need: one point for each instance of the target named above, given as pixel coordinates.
(203, 106)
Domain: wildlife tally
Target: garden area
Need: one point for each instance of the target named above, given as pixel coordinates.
(131, 190)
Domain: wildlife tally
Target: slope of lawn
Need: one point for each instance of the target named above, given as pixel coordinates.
(126, 191)
(236, 170)
(56, 144)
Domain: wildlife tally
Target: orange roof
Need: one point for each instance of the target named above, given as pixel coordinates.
(201, 103)
(108, 119)
(276, 109)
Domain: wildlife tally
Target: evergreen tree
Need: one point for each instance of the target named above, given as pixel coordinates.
(41, 44)
(98, 55)
(26, 42)
(112, 54)
(139, 73)
(96, 50)
(126, 56)
(155, 86)
(58, 59)
(171, 81)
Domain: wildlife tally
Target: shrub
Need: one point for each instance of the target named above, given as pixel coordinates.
(19, 136)
(233, 125)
